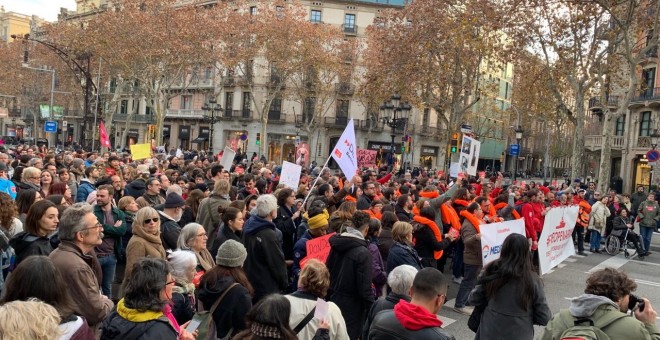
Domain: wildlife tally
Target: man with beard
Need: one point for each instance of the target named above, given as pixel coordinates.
(114, 227)
(169, 220)
(403, 208)
(87, 184)
(368, 194)
(79, 233)
(636, 199)
(151, 197)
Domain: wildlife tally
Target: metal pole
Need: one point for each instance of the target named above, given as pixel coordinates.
(52, 99)
(212, 123)
(98, 103)
(515, 171)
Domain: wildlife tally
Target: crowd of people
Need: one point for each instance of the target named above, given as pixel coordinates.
(97, 245)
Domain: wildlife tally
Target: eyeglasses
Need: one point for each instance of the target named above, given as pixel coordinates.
(96, 226)
(154, 220)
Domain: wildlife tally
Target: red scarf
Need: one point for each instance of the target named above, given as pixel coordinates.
(415, 210)
(374, 214)
(501, 205)
(429, 194)
(449, 216)
(476, 222)
(436, 232)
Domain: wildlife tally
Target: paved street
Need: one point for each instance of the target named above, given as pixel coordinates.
(568, 280)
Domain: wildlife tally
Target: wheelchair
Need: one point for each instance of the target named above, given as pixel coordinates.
(615, 244)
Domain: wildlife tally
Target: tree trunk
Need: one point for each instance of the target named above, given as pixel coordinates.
(577, 159)
(605, 151)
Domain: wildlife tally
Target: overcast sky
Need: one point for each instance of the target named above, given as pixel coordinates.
(47, 9)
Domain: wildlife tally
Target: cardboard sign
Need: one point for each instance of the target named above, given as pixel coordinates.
(227, 158)
(493, 235)
(290, 175)
(454, 169)
(366, 158)
(317, 248)
(469, 157)
(140, 151)
(556, 242)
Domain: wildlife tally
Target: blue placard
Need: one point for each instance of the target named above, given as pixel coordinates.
(50, 126)
(514, 149)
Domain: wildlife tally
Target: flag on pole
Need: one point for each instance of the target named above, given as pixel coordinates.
(345, 152)
(103, 136)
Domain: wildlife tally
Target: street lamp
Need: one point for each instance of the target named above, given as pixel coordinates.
(389, 111)
(212, 106)
(519, 135)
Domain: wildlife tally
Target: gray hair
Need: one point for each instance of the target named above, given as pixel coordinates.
(174, 188)
(187, 235)
(266, 204)
(180, 263)
(34, 161)
(401, 279)
(73, 221)
(30, 172)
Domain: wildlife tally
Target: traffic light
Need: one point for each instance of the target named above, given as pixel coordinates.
(454, 143)
(258, 138)
(403, 148)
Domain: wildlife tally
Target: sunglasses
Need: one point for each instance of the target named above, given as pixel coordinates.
(155, 220)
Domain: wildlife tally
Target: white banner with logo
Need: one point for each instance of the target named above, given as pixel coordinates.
(493, 235)
(556, 242)
(345, 152)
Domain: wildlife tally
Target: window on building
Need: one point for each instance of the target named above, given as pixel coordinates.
(315, 16)
(253, 10)
(648, 82)
(425, 118)
(229, 101)
(308, 109)
(342, 108)
(186, 102)
(349, 23)
(208, 73)
(620, 126)
(123, 108)
(645, 124)
(246, 104)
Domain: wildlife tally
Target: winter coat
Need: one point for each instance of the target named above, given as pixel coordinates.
(224, 233)
(169, 231)
(503, 317)
(402, 254)
(147, 200)
(595, 307)
(264, 265)
(301, 304)
(648, 213)
(377, 266)
(299, 253)
(130, 324)
(598, 217)
(385, 243)
(619, 225)
(426, 243)
(230, 313)
(472, 253)
(83, 284)
(25, 245)
(402, 214)
(142, 244)
(393, 324)
(287, 226)
(183, 302)
(136, 188)
(364, 202)
(86, 187)
(383, 303)
(349, 263)
(636, 199)
(75, 327)
(339, 225)
(208, 216)
(109, 230)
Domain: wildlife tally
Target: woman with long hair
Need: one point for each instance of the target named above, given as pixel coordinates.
(429, 239)
(10, 225)
(511, 294)
(192, 201)
(62, 189)
(231, 227)
(46, 183)
(25, 199)
(40, 227)
(37, 277)
(342, 218)
(385, 238)
(227, 278)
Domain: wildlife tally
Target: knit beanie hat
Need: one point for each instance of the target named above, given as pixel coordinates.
(231, 254)
(319, 220)
(173, 200)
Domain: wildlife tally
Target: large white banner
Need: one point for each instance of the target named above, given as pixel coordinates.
(345, 152)
(556, 243)
(290, 175)
(493, 235)
(469, 158)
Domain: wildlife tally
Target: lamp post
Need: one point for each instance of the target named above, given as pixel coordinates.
(389, 111)
(655, 137)
(212, 106)
(519, 135)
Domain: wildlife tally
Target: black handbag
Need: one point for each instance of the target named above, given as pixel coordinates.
(475, 317)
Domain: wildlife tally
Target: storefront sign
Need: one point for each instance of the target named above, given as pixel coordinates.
(184, 132)
(429, 151)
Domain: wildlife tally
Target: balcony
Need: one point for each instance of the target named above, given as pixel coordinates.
(137, 118)
(345, 88)
(229, 82)
(186, 113)
(371, 125)
(349, 29)
(650, 57)
(276, 117)
(276, 80)
(644, 143)
(15, 113)
(595, 142)
(427, 130)
(336, 122)
(612, 102)
(647, 95)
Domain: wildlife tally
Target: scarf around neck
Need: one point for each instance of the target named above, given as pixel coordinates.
(436, 232)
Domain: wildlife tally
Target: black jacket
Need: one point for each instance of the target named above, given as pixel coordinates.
(402, 254)
(426, 244)
(224, 234)
(387, 326)
(183, 307)
(136, 188)
(169, 231)
(230, 313)
(402, 214)
(383, 303)
(364, 202)
(287, 226)
(116, 327)
(349, 263)
(264, 265)
(26, 245)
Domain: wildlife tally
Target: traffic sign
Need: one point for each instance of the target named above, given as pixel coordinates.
(50, 126)
(653, 155)
(514, 149)
(64, 123)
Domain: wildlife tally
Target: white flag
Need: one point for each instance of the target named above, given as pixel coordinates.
(345, 152)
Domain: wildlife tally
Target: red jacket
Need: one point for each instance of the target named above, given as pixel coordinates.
(532, 220)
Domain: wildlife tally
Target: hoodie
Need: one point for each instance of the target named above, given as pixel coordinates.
(414, 317)
(25, 245)
(265, 265)
(585, 305)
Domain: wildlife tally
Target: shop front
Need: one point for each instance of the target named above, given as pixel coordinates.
(383, 148)
(642, 173)
(428, 157)
(282, 147)
(202, 139)
(184, 137)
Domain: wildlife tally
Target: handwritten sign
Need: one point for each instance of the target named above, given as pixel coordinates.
(366, 158)
(317, 248)
(290, 175)
(140, 151)
(227, 158)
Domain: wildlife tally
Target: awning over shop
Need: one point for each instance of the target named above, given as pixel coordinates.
(200, 139)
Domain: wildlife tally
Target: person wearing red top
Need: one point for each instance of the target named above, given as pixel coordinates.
(418, 318)
(532, 217)
(582, 221)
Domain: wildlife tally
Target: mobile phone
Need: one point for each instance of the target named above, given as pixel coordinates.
(194, 324)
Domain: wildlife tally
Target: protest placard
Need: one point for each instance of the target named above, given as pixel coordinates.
(493, 235)
(140, 151)
(317, 248)
(227, 158)
(556, 242)
(290, 175)
(366, 158)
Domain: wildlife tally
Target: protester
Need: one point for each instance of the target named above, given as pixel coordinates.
(183, 264)
(40, 227)
(151, 196)
(146, 241)
(32, 319)
(86, 186)
(649, 215)
(10, 225)
(510, 294)
(597, 222)
(208, 214)
(379, 276)
(623, 222)
(416, 319)
(402, 251)
(231, 227)
(24, 200)
(113, 221)
(385, 240)
(317, 225)
(193, 238)
(286, 220)
(169, 220)
(430, 242)
(227, 281)
(472, 256)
